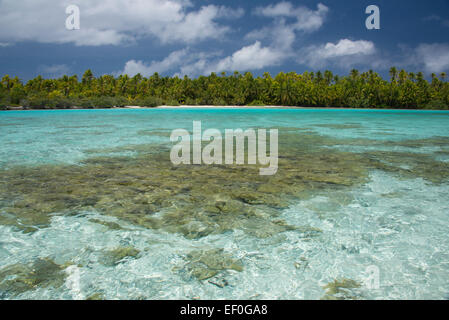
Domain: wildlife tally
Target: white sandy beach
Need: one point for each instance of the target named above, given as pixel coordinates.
(219, 107)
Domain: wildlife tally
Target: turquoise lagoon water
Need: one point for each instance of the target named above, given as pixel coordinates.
(398, 224)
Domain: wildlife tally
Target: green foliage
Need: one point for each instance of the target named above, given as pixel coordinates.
(437, 104)
(3, 99)
(36, 102)
(102, 102)
(256, 103)
(148, 102)
(172, 103)
(16, 94)
(191, 102)
(310, 89)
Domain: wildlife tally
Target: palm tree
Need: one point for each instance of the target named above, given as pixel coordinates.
(336, 79)
(328, 76)
(420, 77)
(435, 81)
(402, 76)
(87, 78)
(354, 74)
(6, 81)
(393, 73)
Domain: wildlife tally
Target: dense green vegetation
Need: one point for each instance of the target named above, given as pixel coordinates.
(310, 89)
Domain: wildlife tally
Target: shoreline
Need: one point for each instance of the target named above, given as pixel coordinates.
(215, 107)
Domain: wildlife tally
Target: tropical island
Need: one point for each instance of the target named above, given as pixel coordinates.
(404, 90)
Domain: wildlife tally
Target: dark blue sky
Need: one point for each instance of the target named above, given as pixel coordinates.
(197, 37)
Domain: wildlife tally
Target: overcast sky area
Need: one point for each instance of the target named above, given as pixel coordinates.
(190, 37)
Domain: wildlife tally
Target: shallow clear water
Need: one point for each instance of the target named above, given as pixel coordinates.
(396, 222)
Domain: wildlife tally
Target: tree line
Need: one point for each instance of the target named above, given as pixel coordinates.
(311, 89)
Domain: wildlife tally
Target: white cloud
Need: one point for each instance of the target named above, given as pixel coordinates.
(180, 63)
(230, 13)
(195, 68)
(112, 22)
(346, 47)
(4, 44)
(185, 62)
(134, 67)
(282, 33)
(281, 36)
(288, 21)
(433, 57)
(279, 9)
(345, 53)
(197, 25)
(251, 57)
(306, 19)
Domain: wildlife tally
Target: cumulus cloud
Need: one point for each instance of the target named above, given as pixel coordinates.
(306, 19)
(280, 36)
(194, 68)
(185, 62)
(179, 63)
(282, 33)
(198, 25)
(112, 22)
(252, 57)
(134, 67)
(433, 57)
(346, 47)
(345, 53)
(230, 13)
